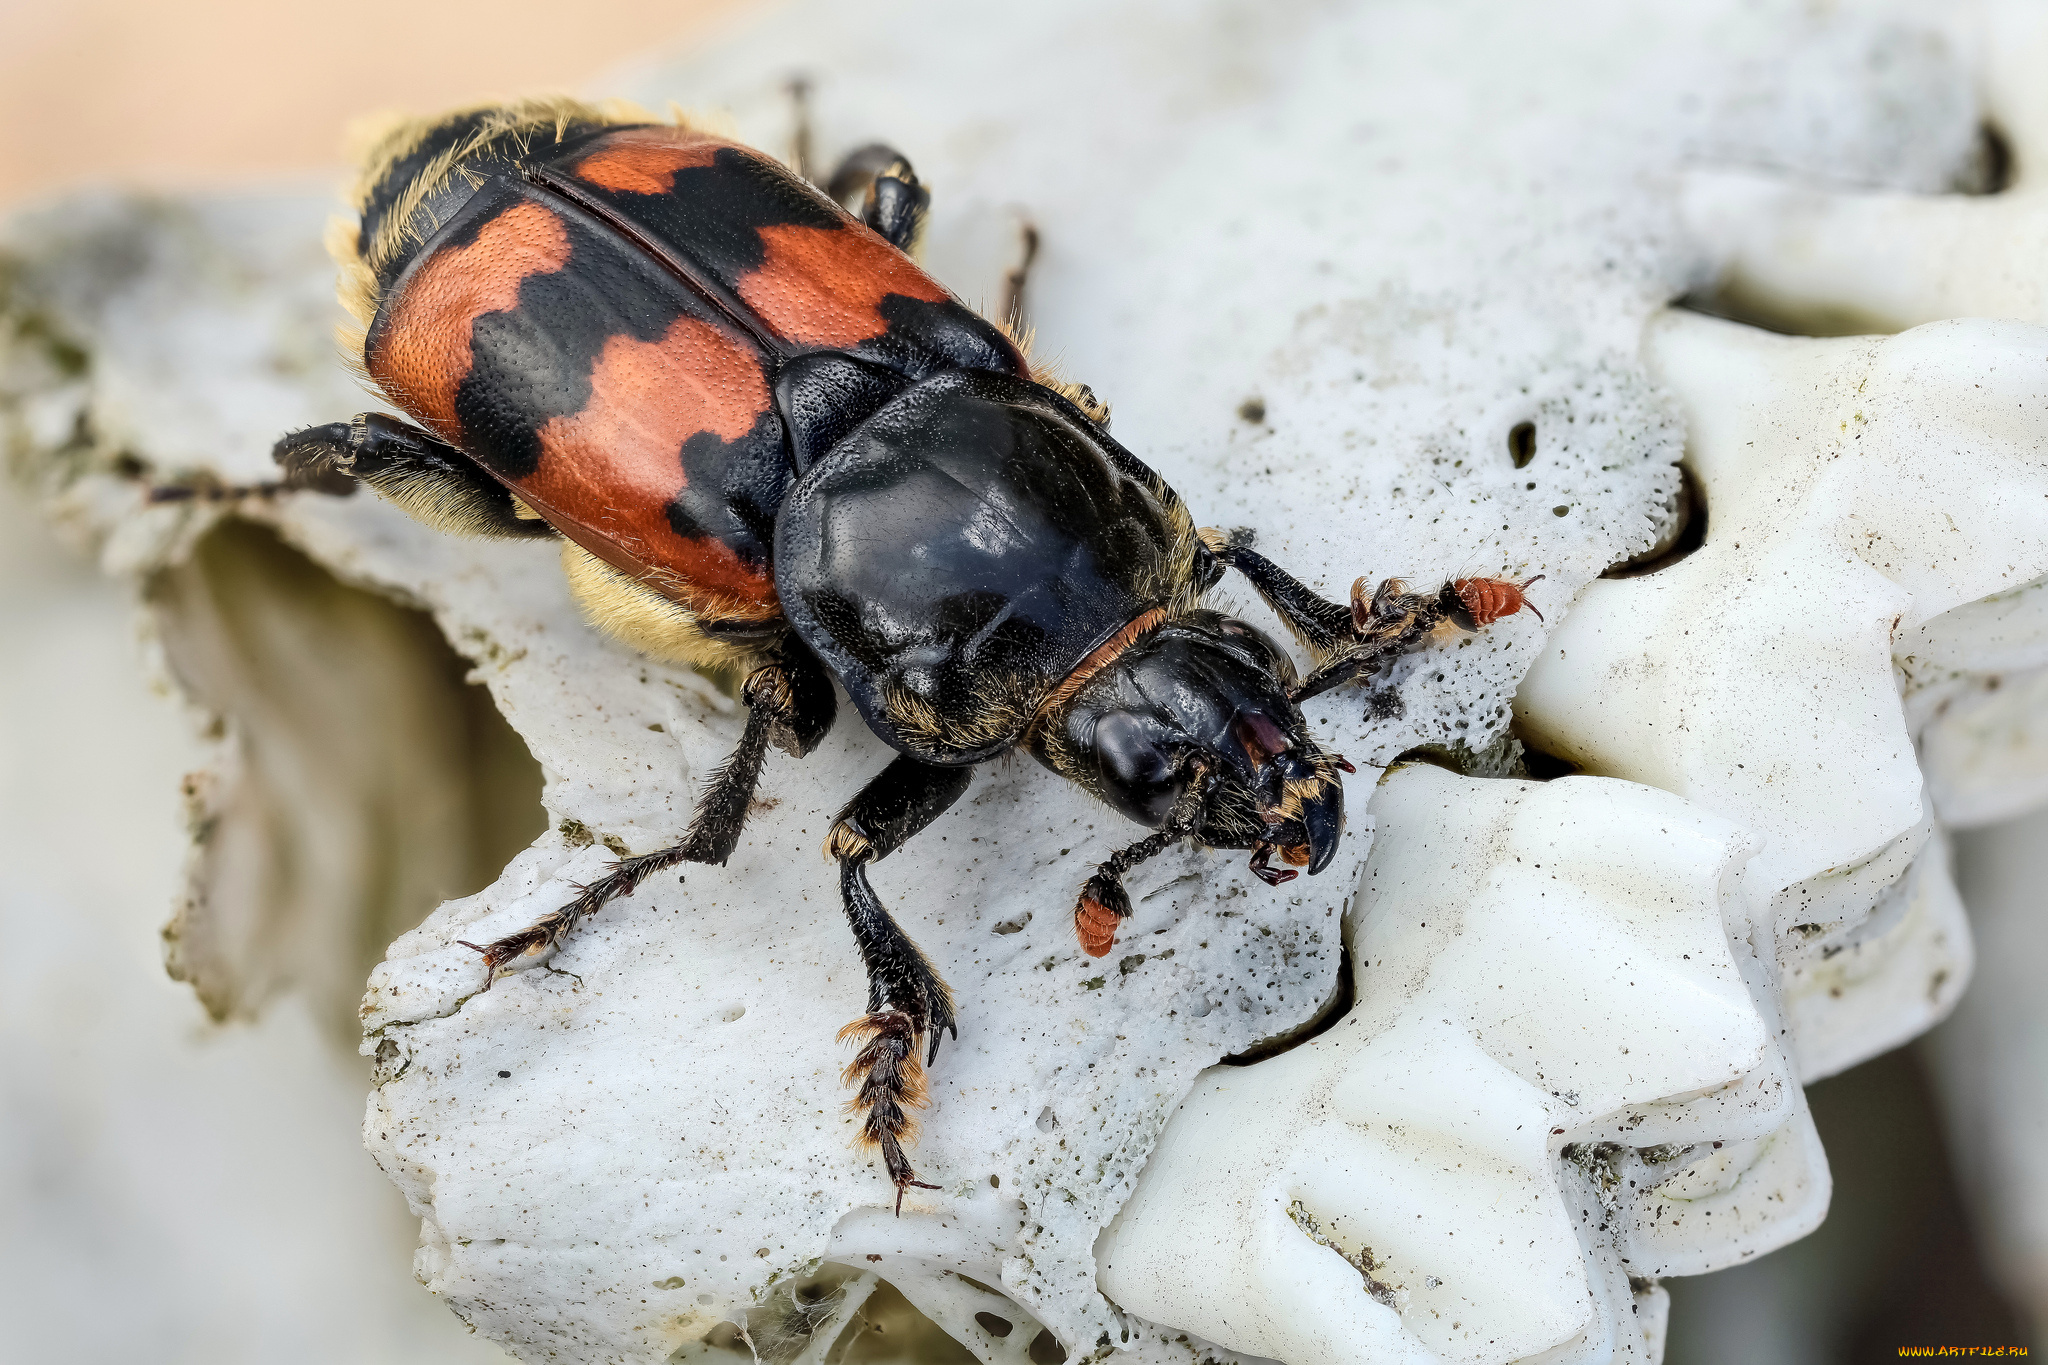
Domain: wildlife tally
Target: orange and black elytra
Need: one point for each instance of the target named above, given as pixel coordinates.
(769, 442)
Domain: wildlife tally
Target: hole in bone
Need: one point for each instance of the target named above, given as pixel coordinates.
(1685, 530)
(1325, 1018)
(1989, 169)
(1539, 765)
(1047, 1121)
(993, 1325)
(1736, 301)
(1046, 1350)
(1436, 755)
(732, 1014)
(836, 1313)
(1500, 757)
(1012, 926)
(355, 728)
(1522, 443)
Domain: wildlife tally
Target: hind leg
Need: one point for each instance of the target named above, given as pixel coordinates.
(893, 200)
(789, 704)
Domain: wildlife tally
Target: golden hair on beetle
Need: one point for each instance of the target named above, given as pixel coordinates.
(636, 615)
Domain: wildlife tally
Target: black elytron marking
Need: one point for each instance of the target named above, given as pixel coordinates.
(925, 337)
(533, 362)
(706, 229)
(440, 207)
(718, 210)
(746, 491)
(826, 395)
(401, 173)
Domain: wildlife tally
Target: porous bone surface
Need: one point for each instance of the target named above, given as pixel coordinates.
(1321, 261)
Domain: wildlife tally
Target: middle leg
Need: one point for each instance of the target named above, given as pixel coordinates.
(909, 1006)
(790, 704)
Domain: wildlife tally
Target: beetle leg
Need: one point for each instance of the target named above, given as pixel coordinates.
(789, 704)
(231, 492)
(1012, 306)
(1322, 626)
(1384, 627)
(909, 1006)
(430, 479)
(315, 474)
(893, 200)
(1354, 642)
(798, 88)
(1103, 903)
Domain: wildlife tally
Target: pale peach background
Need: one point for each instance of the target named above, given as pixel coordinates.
(133, 92)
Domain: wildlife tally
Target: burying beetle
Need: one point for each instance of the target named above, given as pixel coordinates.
(770, 443)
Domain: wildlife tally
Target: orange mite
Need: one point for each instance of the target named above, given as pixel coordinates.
(1487, 600)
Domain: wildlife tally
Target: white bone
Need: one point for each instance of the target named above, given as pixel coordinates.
(1537, 966)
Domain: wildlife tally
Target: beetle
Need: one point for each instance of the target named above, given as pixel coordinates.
(768, 442)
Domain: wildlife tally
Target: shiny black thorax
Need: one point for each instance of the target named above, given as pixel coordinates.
(962, 550)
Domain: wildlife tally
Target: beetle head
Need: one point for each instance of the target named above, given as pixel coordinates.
(1204, 698)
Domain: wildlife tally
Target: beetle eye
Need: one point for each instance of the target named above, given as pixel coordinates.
(1139, 767)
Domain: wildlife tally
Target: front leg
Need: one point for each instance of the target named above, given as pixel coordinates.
(790, 703)
(1394, 621)
(1354, 642)
(428, 478)
(1104, 905)
(909, 1006)
(1323, 627)
(1389, 624)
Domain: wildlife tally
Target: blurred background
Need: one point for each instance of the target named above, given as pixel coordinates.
(180, 1191)
(214, 92)
(172, 1189)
